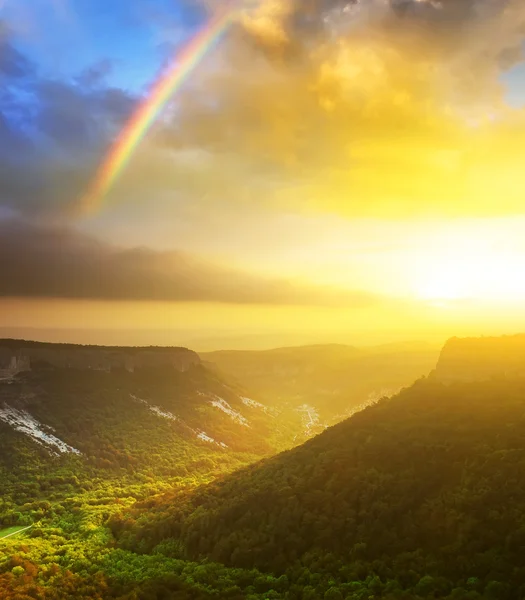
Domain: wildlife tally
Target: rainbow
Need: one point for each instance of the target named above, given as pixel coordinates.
(139, 124)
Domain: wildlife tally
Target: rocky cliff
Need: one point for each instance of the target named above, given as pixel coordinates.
(21, 355)
(471, 359)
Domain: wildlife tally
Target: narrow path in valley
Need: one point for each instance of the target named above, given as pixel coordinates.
(312, 422)
(312, 416)
(4, 537)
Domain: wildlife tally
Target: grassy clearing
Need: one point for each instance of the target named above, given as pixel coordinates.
(10, 531)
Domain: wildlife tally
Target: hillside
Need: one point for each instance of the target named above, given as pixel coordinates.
(422, 493)
(464, 359)
(21, 355)
(143, 484)
(325, 383)
(84, 436)
(61, 428)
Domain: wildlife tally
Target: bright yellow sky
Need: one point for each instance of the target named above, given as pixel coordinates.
(370, 167)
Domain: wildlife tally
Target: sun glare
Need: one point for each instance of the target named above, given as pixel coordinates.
(443, 286)
(471, 269)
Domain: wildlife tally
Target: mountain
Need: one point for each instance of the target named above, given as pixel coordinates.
(325, 383)
(419, 496)
(71, 415)
(108, 490)
(465, 359)
(20, 355)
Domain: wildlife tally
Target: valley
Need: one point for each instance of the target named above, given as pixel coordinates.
(160, 482)
(328, 381)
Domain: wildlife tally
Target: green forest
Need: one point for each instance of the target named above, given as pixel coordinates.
(418, 496)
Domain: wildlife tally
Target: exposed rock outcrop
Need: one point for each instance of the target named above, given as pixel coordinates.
(19, 355)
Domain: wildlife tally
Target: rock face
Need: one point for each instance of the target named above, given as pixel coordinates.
(19, 355)
(477, 359)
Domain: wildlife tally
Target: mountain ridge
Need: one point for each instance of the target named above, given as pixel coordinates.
(479, 358)
(329, 380)
(430, 476)
(23, 355)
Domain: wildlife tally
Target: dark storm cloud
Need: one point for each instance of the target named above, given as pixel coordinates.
(55, 262)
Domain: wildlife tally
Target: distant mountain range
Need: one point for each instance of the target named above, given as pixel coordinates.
(332, 380)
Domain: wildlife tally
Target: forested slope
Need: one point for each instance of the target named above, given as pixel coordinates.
(79, 445)
(420, 496)
(65, 428)
(424, 493)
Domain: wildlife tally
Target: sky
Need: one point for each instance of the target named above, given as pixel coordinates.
(328, 171)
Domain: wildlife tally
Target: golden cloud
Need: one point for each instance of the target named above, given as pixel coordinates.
(383, 109)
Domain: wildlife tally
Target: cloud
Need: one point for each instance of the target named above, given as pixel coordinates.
(372, 109)
(96, 74)
(56, 262)
(13, 64)
(53, 133)
(70, 115)
(362, 108)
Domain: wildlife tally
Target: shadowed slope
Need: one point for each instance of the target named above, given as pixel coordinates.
(428, 483)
